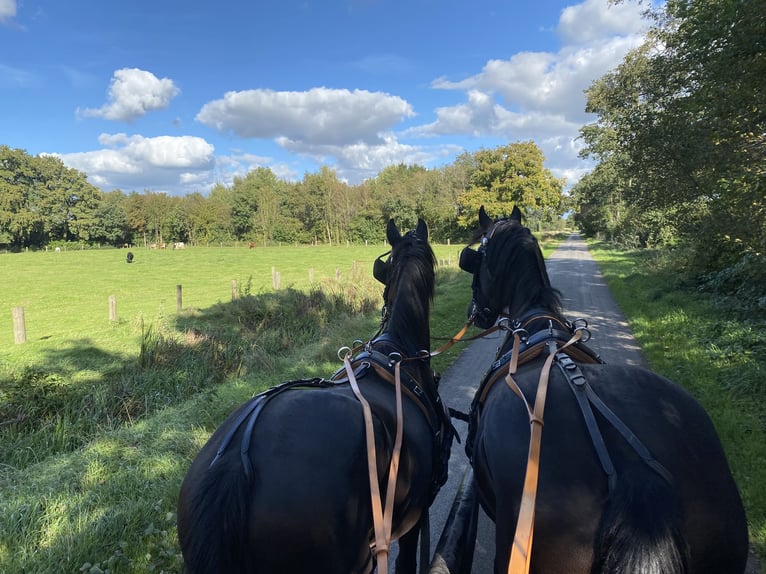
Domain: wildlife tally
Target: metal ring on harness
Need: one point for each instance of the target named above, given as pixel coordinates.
(344, 352)
(522, 333)
(393, 358)
(585, 334)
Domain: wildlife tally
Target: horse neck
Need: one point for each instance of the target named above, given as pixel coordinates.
(408, 323)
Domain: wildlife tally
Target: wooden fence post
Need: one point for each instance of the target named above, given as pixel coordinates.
(311, 275)
(112, 308)
(179, 298)
(19, 326)
(234, 292)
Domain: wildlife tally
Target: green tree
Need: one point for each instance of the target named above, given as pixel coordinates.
(42, 200)
(683, 120)
(505, 176)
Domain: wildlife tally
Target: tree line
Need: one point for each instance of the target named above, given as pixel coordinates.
(42, 202)
(680, 141)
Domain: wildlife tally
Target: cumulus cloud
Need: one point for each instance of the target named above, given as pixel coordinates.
(540, 95)
(7, 10)
(161, 163)
(593, 20)
(320, 116)
(133, 93)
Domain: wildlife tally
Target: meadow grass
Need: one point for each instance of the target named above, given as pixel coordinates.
(106, 500)
(715, 354)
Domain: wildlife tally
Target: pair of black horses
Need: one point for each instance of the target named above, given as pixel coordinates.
(632, 477)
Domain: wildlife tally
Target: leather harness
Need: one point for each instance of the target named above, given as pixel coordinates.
(565, 348)
(430, 404)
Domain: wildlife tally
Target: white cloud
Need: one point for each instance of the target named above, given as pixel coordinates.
(7, 10)
(358, 161)
(133, 93)
(594, 19)
(540, 95)
(320, 116)
(162, 163)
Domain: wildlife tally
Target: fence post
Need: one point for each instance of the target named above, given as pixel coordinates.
(311, 275)
(19, 327)
(234, 292)
(179, 298)
(112, 308)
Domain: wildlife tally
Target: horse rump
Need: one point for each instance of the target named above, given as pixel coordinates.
(641, 530)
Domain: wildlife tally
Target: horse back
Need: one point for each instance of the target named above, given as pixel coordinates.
(574, 499)
(308, 482)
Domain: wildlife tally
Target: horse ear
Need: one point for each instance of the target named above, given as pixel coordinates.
(516, 214)
(422, 230)
(392, 233)
(485, 221)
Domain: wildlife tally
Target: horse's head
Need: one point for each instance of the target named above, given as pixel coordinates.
(508, 270)
(408, 273)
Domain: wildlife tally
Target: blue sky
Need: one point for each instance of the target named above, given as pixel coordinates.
(174, 96)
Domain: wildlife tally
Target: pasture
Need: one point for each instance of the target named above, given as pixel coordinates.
(65, 294)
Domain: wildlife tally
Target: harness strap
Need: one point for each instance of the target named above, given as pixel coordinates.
(581, 387)
(382, 520)
(577, 383)
(250, 414)
(521, 551)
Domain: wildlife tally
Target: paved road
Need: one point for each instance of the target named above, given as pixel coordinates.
(573, 271)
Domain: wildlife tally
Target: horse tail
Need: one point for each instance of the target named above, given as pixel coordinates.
(217, 530)
(641, 527)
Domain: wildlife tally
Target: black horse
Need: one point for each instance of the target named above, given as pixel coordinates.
(632, 477)
(283, 485)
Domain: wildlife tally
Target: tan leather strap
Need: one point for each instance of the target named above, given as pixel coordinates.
(521, 551)
(382, 520)
(454, 339)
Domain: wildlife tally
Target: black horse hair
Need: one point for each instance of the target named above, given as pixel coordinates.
(514, 252)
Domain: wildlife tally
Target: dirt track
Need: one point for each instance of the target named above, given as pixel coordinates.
(573, 271)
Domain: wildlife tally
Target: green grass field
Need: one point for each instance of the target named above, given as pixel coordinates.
(65, 295)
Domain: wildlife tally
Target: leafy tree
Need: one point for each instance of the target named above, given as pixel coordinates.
(110, 221)
(683, 121)
(506, 176)
(43, 200)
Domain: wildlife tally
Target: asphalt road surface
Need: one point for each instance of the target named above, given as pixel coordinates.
(573, 271)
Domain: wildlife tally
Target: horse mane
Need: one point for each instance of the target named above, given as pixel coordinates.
(411, 283)
(423, 277)
(520, 277)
